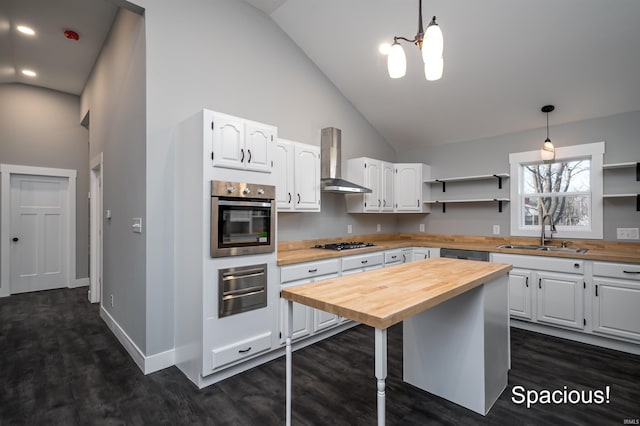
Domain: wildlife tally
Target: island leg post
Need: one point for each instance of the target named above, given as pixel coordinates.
(381, 371)
(288, 356)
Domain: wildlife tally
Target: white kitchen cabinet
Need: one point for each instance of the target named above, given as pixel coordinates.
(393, 257)
(407, 255)
(373, 174)
(616, 300)
(362, 263)
(410, 190)
(242, 144)
(421, 253)
(306, 320)
(297, 167)
(561, 299)
(520, 285)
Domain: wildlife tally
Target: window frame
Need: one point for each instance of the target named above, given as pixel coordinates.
(593, 151)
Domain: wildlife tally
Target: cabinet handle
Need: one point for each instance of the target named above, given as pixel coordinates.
(384, 203)
(15, 239)
(539, 282)
(249, 151)
(364, 262)
(244, 351)
(576, 265)
(526, 281)
(393, 257)
(298, 198)
(404, 258)
(596, 290)
(311, 271)
(242, 152)
(417, 203)
(631, 272)
(378, 203)
(289, 198)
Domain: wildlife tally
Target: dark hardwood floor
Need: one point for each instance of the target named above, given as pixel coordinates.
(60, 365)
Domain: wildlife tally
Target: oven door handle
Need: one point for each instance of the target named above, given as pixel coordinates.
(244, 203)
(233, 294)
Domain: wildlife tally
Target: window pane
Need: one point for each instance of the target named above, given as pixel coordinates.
(568, 210)
(563, 176)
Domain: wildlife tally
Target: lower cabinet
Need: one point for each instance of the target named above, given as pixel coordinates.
(560, 299)
(421, 253)
(616, 300)
(548, 294)
(306, 320)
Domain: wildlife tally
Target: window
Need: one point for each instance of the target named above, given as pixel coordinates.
(568, 190)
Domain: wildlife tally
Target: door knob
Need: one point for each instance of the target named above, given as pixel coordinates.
(15, 239)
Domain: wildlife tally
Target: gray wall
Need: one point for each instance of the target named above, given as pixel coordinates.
(40, 127)
(491, 155)
(115, 97)
(227, 56)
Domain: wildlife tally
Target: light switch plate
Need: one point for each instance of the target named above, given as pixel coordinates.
(422, 227)
(137, 225)
(378, 228)
(496, 229)
(349, 229)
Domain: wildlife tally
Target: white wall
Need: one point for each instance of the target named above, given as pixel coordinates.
(40, 127)
(620, 132)
(115, 97)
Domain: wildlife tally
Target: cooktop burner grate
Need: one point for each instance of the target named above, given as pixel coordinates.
(344, 246)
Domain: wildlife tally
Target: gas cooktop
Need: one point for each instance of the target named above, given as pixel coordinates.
(344, 246)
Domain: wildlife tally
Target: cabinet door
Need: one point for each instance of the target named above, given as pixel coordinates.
(373, 201)
(283, 162)
(616, 308)
(228, 142)
(408, 187)
(301, 317)
(259, 141)
(307, 177)
(322, 319)
(520, 283)
(387, 186)
(560, 299)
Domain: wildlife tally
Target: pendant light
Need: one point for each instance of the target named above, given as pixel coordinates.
(430, 43)
(548, 152)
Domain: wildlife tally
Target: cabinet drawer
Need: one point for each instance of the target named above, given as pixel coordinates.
(627, 271)
(309, 270)
(392, 256)
(362, 261)
(239, 350)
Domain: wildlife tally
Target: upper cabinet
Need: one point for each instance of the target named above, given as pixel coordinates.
(410, 191)
(394, 187)
(242, 144)
(297, 168)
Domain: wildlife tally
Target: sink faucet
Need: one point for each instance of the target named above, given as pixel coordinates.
(543, 238)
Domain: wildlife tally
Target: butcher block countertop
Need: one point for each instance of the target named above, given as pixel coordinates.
(384, 297)
(292, 252)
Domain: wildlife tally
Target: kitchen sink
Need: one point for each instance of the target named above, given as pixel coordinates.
(544, 248)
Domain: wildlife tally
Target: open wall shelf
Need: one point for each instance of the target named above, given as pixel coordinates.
(628, 165)
(470, 200)
(443, 181)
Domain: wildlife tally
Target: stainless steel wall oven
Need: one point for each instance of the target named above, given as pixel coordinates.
(243, 218)
(241, 289)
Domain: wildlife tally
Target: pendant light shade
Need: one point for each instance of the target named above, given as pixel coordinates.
(433, 42)
(548, 151)
(433, 68)
(396, 61)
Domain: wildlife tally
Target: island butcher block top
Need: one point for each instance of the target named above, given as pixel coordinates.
(384, 297)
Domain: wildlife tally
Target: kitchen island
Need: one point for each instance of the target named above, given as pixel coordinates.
(455, 315)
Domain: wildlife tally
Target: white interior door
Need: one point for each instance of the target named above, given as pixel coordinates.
(39, 233)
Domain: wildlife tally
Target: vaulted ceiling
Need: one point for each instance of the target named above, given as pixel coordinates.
(504, 59)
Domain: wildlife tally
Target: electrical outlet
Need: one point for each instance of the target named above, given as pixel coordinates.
(378, 228)
(111, 297)
(627, 233)
(422, 227)
(496, 229)
(349, 229)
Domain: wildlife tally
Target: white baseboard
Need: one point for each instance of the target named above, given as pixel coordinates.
(80, 282)
(147, 364)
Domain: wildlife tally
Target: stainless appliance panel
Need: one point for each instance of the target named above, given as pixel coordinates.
(241, 289)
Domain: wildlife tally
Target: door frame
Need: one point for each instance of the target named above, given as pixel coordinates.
(6, 170)
(96, 178)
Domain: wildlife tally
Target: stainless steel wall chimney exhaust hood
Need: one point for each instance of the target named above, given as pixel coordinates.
(331, 179)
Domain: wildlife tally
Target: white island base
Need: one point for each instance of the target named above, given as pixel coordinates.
(459, 349)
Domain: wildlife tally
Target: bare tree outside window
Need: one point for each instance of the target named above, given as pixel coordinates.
(560, 189)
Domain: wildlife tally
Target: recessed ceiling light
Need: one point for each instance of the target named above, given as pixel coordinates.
(25, 30)
(29, 73)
